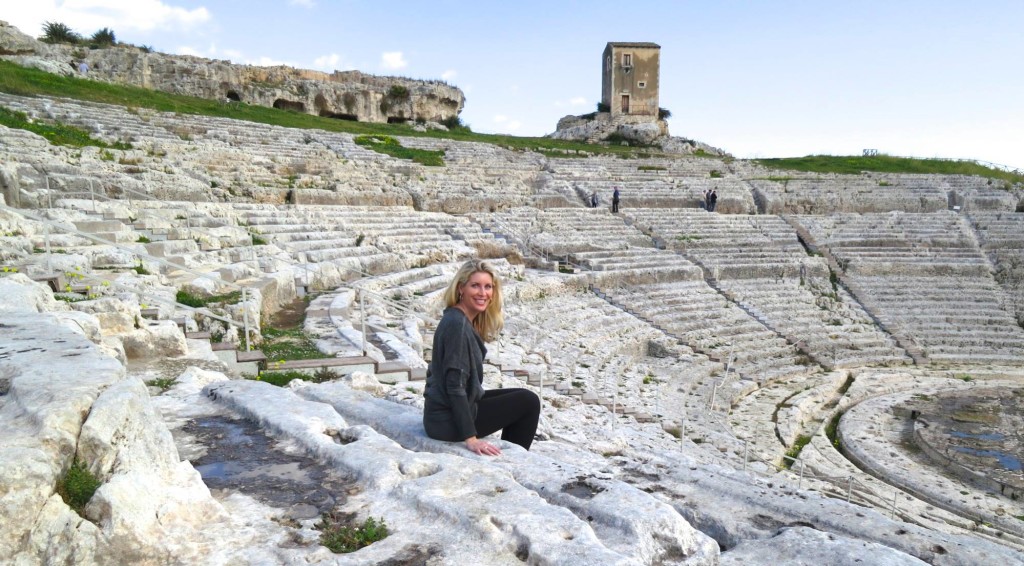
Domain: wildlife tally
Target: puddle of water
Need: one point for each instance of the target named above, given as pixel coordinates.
(240, 457)
(979, 436)
(1009, 462)
(219, 470)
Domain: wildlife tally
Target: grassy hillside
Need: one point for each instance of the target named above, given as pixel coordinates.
(854, 165)
(15, 79)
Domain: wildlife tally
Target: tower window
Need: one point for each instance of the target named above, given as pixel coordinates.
(627, 59)
(641, 84)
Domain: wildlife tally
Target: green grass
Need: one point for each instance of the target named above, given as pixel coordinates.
(23, 81)
(164, 383)
(832, 428)
(341, 538)
(282, 378)
(288, 344)
(390, 146)
(56, 133)
(794, 451)
(77, 486)
(854, 165)
(194, 301)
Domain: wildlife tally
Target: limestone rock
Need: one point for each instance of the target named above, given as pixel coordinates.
(361, 381)
(53, 376)
(114, 315)
(21, 294)
(156, 339)
(801, 545)
(341, 94)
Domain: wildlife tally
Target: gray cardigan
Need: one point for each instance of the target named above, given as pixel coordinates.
(454, 379)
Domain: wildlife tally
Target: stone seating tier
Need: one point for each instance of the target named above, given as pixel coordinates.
(709, 323)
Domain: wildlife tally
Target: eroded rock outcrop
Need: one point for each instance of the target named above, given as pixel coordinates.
(642, 131)
(349, 95)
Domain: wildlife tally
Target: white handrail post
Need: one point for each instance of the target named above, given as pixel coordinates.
(245, 316)
(541, 387)
(46, 238)
(49, 198)
(849, 488)
(895, 492)
(362, 317)
(92, 197)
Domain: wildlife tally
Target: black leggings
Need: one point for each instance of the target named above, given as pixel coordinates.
(513, 411)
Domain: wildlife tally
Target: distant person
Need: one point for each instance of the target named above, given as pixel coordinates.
(713, 200)
(615, 200)
(705, 199)
(83, 68)
(456, 407)
(594, 201)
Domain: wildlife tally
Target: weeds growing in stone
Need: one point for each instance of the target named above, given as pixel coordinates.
(288, 344)
(56, 133)
(341, 538)
(77, 486)
(390, 146)
(164, 383)
(194, 301)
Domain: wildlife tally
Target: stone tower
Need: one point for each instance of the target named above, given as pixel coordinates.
(630, 79)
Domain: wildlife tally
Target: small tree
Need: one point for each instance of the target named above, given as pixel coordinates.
(103, 38)
(664, 113)
(57, 32)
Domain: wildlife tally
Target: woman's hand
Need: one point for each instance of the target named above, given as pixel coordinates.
(482, 447)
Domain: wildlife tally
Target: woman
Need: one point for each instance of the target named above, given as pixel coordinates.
(456, 407)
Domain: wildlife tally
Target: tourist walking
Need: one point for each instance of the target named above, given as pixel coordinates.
(712, 200)
(615, 200)
(456, 407)
(705, 200)
(594, 201)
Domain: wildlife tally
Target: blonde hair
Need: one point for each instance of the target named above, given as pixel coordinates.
(490, 322)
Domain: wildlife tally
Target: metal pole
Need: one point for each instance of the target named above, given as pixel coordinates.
(46, 238)
(49, 197)
(895, 492)
(245, 316)
(714, 393)
(849, 488)
(745, 452)
(541, 387)
(800, 483)
(92, 196)
(362, 317)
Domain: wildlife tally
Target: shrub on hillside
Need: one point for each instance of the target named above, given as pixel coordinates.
(57, 32)
(103, 38)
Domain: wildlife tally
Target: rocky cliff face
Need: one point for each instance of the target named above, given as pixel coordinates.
(349, 95)
(643, 131)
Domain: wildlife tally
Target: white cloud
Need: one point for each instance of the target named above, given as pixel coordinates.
(306, 3)
(87, 16)
(506, 124)
(449, 74)
(327, 62)
(268, 62)
(393, 60)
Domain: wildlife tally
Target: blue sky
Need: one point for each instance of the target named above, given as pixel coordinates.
(758, 78)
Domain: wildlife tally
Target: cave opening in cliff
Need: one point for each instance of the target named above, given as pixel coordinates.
(283, 104)
(336, 116)
(397, 119)
(233, 96)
